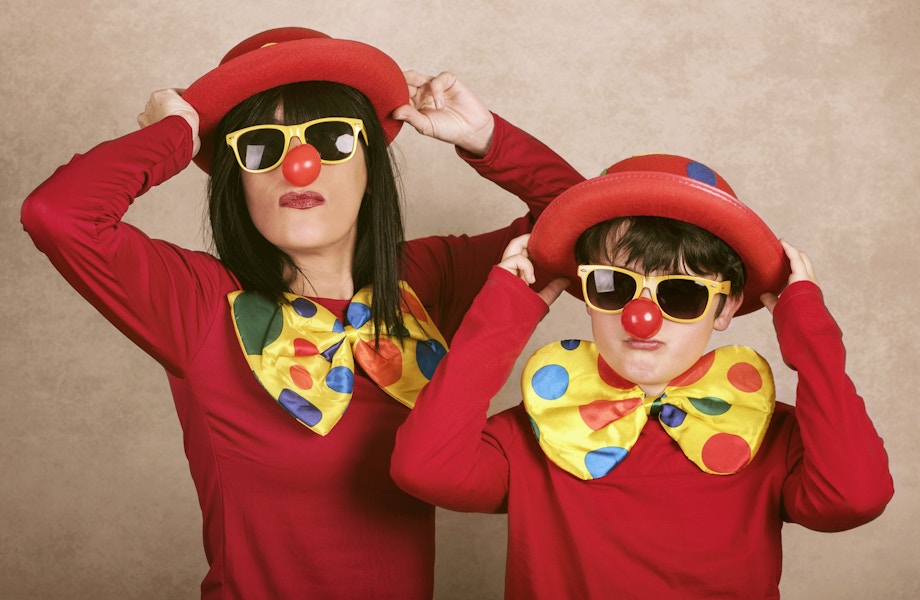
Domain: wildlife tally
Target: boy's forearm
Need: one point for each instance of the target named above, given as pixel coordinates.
(440, 455)
(840, 478)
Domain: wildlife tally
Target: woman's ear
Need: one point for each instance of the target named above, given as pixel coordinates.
(729, 308)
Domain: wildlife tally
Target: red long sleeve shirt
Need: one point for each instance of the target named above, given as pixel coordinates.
(287, 513)
(656, 526)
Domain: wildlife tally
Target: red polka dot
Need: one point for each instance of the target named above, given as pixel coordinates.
(301, 377)
(745, 377)
(696, 372)
(726, 453)
(611, 377)
(601, 413)
(412, 306)
(383, 366)
(303, 347)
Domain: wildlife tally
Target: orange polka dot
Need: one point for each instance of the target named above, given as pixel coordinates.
(745, 377)
(726, 453)
(696, 372)
(601, 413)
(301, 377)
(304, 347)
(383, 366)
(411, 305)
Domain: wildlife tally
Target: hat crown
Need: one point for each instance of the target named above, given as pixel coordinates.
(672, 164)
(271, 37)
(287, 55)
(660, 185)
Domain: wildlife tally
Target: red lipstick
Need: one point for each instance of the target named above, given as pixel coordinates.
(301, 200)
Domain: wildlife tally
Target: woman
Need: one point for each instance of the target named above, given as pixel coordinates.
(295, 493)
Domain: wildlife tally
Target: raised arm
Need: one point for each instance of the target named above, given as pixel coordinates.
(443, 107)
(454, 268)
(75, 218)
(442, 454)
(838, 468)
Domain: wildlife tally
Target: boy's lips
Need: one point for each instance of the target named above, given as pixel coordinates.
(301, 200)
(637, 344)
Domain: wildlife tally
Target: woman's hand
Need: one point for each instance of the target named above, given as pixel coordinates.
(443, 108)
(168, 102)
(801, 268)
(516, 261)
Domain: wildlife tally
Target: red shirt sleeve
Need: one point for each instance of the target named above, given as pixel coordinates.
(838, 468)
(156, 293)
(441, 453)
(448, 271)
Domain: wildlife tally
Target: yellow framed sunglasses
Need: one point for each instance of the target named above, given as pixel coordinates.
(681, 298)
(261, 148)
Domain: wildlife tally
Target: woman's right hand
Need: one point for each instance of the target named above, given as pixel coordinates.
(166, 103)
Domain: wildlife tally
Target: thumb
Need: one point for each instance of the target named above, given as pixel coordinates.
(553, 289)
(769, 300)
(408, 114)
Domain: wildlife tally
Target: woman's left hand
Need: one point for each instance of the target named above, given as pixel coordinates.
(443, 108)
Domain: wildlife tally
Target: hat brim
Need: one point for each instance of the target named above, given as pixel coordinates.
(658, 194)
(352, 63)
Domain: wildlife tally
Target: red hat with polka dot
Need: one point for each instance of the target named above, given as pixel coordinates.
(661, 185)
(290, 55)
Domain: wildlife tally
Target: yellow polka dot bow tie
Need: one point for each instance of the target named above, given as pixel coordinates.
(587, 417)
(305, 357)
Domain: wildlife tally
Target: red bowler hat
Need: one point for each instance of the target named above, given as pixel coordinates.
(661, 185)
(289, 55)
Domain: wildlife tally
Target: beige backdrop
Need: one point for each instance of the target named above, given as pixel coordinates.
(808, 108)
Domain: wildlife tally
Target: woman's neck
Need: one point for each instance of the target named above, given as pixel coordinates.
(324, 276)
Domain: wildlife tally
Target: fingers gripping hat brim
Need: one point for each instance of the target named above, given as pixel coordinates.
(290, 55)
(659, 194)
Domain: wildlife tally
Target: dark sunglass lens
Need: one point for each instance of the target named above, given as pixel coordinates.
(260, 149)
(682, 298)
(610, 290)
(334, 140)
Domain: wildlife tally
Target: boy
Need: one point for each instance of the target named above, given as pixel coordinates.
(603, 501)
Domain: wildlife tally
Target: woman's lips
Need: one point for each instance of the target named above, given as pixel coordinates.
(301, 200)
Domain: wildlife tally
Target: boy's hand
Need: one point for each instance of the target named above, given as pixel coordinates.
(801, 268)
(165, 103)
(516, 261)
(443, 108)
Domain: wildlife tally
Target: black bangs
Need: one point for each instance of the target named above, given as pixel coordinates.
(660, 244)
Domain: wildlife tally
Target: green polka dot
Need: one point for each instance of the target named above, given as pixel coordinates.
(710, 406)
(258, 320)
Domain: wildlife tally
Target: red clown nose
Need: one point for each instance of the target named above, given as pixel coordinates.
(641, 318)
(301, 165)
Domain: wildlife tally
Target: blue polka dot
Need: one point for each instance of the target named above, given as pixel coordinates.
(550, 382)
(601, 461)
(428, 355)
(340, 379)
(701, 172)
(329, 353)
(337, 327)
(570, 344)
(358, 314)
(671, 415)
(304, 308)
(299, 407)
